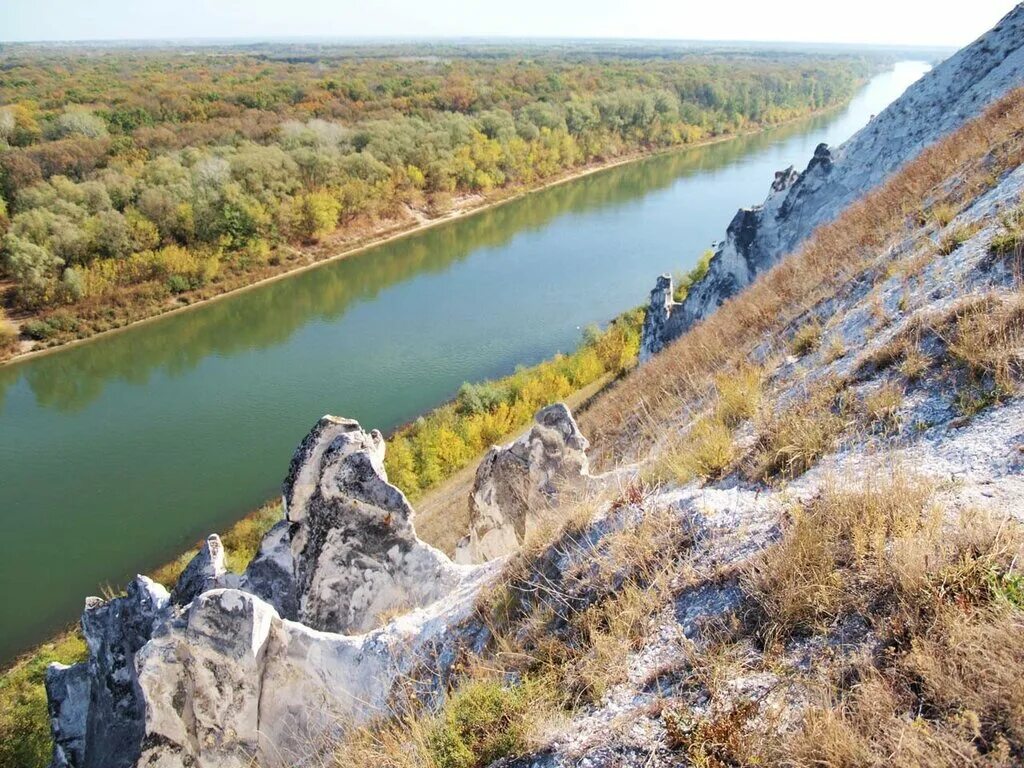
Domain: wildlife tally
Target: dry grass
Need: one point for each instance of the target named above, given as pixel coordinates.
(708, 449)
(1009, 240)
(738, 394)
(988, 339)
(953, 238)
(944, 601)
(942, 214)
(801, 584)
(791, 439)
(835, 350)
(914, 364)
(882, 408)
(485, 719)
(578, 625)
(560, 638)
(975, 156)
(704, 453)
(806, 339)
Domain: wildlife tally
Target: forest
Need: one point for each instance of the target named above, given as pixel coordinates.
(134, 180)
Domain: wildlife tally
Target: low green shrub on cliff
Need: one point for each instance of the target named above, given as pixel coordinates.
(684, 282)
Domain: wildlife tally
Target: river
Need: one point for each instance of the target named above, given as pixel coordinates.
(117, 454)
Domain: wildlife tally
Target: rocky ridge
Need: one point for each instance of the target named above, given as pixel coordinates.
(942, 100)
(343, 614)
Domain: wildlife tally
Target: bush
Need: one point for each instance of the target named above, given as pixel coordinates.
(483, 721)
(39, 330)
(444, 441)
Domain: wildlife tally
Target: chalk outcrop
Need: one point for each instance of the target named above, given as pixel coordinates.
(96, 707)
(516, 483)
(225, 670)
(757, 238)
(204, 572)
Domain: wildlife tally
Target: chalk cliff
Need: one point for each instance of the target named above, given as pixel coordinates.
(757, 238)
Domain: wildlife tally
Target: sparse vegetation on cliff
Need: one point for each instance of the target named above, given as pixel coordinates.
(437, 445)
(880, 625)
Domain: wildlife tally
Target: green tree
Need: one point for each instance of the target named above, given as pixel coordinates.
(317, 215)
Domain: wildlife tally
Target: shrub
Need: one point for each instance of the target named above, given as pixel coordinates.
(685, 282)
(448, 438)
(39, 330)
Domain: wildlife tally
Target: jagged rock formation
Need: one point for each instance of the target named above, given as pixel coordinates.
(96, 707)
(225, 670)
(516, 483)
(973, 464)
(356, 556)
(944, 99)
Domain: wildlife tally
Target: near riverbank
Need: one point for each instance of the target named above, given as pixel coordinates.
(482, 414)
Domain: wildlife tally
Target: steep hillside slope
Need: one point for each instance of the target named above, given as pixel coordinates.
(941, 101)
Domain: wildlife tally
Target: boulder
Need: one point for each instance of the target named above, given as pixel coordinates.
(515, 484)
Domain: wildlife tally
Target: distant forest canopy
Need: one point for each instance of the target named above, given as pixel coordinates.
(139, 174)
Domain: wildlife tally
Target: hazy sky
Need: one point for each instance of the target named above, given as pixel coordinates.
(920, 22)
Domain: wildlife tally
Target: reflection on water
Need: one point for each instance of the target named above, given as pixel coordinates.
(269, 315)
(116, 454)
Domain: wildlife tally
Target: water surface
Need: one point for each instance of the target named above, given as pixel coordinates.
(117, 454)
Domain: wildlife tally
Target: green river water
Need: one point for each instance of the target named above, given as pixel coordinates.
(117, 454)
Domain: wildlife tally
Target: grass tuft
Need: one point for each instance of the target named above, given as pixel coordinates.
(806, 339)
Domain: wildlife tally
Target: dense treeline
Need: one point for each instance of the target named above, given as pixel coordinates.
(141, 175)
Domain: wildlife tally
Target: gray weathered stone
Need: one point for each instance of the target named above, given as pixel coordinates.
(515, 484)
(96, 707)
(356, 554)
(67, 695)
(271, 574)
(205, 571)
